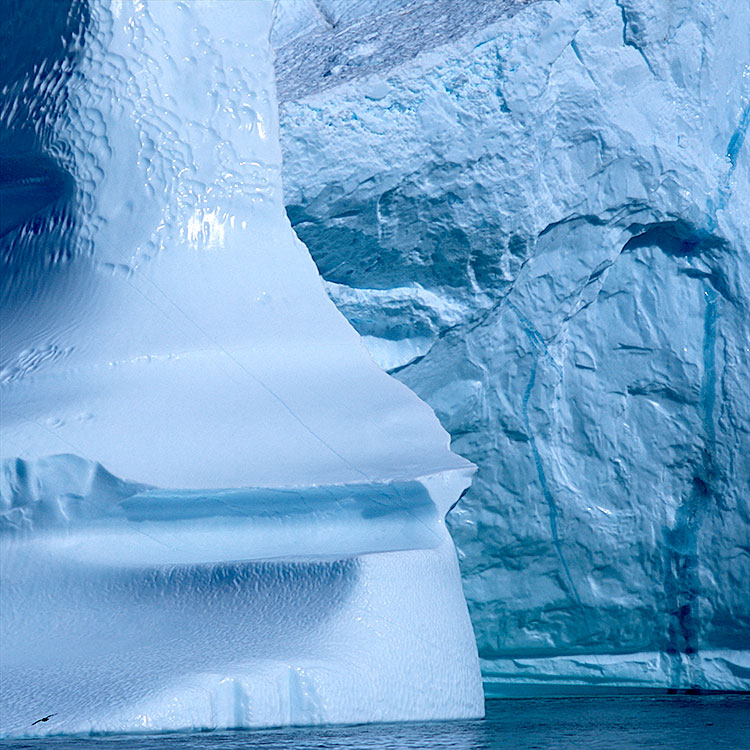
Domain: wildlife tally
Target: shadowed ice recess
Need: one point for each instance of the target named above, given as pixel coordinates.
(65, 506)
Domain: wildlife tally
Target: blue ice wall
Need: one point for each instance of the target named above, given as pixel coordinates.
(538, 215)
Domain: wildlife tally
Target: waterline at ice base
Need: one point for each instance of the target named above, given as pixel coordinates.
(217, 511)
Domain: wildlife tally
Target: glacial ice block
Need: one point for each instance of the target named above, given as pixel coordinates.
(216, 510)
(542, 227)
(132, 609)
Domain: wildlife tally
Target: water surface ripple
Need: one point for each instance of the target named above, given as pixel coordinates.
(686, 722)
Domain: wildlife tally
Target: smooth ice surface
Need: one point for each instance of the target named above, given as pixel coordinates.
(163, 319)
(139, 647)
(542, 227)
(217, 510)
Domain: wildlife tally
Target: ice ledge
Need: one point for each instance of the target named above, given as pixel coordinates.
(711, 669)
(77, 509)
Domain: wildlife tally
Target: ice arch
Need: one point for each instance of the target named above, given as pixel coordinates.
(216, 510)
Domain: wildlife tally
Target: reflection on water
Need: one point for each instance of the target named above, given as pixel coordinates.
(717, 722)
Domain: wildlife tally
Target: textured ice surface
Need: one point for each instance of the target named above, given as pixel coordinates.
(204, 317)
(123, 612)
(541, 225)
(216, 509)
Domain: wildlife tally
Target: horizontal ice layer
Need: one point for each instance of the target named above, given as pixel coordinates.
(541, 227)
(69, 507)
(634, 671)
(217, 511)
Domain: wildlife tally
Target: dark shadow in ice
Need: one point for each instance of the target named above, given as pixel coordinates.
(129, 633)
(75, 509)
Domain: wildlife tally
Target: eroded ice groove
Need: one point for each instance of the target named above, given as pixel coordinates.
(217, 510)
(77, 510)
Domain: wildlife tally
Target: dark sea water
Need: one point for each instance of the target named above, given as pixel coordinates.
(711, 722)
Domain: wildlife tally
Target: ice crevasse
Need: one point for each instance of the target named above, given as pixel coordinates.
(217, 511)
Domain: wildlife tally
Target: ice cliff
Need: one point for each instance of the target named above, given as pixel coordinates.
(537, 214)
(217, 511)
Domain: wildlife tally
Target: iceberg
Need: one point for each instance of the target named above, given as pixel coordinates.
(542, 228)
(217, 510)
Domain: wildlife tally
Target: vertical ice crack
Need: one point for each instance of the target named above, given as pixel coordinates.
(708, 380)
(738, 138)
(537, 347)
(683, 586)
(627, 38)
(724, 193)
